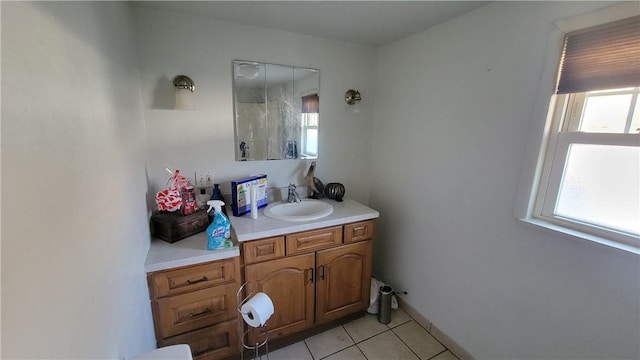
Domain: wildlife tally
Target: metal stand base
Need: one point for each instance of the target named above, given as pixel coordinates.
(262, 329)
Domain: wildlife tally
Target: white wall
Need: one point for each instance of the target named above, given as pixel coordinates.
(75, 233)
(172, 44)
(452, 116)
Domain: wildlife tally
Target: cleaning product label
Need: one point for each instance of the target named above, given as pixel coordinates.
(217, 233)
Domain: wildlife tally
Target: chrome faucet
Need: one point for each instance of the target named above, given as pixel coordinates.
(293, 195)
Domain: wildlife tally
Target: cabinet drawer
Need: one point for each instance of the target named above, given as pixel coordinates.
(262, 250)
(192, 278)
(313, 240)
(358, 231)
(215, 342)
(181, 313)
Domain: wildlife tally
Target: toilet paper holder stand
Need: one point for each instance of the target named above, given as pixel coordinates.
(262, 329)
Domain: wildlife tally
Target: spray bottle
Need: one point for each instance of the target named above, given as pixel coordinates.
(220, 228)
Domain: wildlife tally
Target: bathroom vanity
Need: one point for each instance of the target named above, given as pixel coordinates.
(314, 272)
(312, 277)
(193, 296)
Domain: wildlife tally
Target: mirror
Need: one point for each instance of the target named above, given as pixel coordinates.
(276, 111)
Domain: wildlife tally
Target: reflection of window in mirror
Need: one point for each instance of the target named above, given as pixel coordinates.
(310, 114)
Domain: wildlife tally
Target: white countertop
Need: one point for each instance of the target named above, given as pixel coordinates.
(193, 250)
(344, 212)
(189, 251)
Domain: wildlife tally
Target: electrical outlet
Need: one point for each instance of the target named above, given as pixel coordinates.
(208, 179)
(199, 178)
(204, 179)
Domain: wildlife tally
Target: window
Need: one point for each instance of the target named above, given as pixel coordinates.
(590, 171)
(310, 116)
(309, 135)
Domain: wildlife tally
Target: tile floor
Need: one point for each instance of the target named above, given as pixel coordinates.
(366, 338)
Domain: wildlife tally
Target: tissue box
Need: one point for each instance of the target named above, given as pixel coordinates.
(173, 226)
(240, 198)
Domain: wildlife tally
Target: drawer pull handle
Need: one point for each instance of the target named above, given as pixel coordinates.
(203, 312)
(322, 272)
(311, 272)
(211, 347)
(191, 282)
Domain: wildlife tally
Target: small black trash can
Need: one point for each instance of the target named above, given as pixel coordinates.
(384, 314)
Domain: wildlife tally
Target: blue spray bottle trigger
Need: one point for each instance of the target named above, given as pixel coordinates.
(215, 204)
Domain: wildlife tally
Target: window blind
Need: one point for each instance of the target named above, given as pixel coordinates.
(311, 104)
(601, 57)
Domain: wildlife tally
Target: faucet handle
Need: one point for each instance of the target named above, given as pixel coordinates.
(293, 195)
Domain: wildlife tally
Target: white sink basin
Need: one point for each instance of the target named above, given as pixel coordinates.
(307, 209)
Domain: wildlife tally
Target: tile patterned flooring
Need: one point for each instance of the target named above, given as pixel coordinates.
(367, 339)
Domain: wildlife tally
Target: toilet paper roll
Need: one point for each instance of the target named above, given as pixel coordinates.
(257, 310)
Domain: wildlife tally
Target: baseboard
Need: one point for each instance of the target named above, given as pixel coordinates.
(448, 342)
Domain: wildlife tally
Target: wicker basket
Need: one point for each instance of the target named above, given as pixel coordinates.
(173, 226)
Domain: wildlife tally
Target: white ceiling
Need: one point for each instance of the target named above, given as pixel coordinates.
(365, 22)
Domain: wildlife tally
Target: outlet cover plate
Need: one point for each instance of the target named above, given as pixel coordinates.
(204, 179)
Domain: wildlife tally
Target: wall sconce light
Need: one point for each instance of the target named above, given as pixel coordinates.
(352, 97)
(184, 88)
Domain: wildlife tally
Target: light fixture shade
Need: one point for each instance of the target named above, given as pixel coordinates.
(184, 88)
(184, 100)
(248, 71)
(352, 97)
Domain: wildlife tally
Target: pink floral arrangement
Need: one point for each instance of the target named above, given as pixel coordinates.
(170, 199)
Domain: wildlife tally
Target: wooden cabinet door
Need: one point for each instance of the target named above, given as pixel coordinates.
(289, 282)
(343, 280)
